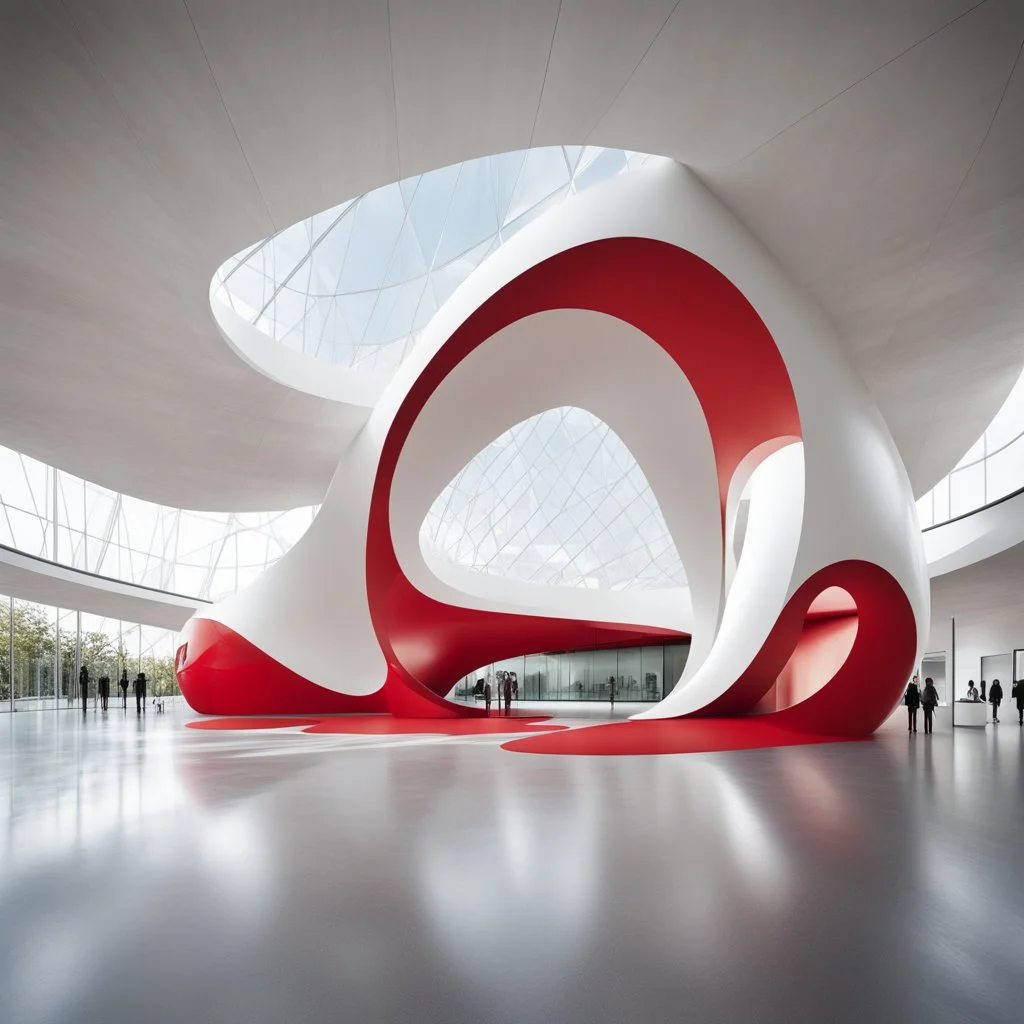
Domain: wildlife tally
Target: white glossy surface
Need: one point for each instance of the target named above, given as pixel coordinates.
(154, 873)
(310, 612)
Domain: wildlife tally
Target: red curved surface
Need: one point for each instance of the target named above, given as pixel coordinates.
(222, 673)
(824, 646)
(717, 339)
(668, 736)
(387, 725)
(681, 302)
(870, 682)
(850, 705)
(245, 724)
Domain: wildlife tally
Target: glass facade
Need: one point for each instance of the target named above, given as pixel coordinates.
(644, 673)
(356, 284)
(993, 467)
(51, 514)
(42, 648)
(558, 499)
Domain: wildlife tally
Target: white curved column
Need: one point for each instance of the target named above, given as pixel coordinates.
(310, 611)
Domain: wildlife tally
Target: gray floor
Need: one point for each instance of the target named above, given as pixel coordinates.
(153, 873)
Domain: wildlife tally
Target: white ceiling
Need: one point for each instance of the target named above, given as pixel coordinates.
(874, 147)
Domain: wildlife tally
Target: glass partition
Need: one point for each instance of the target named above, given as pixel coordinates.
(645, 673)
(33, 663)
(41, 670)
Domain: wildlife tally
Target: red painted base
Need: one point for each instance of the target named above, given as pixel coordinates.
(388, 725)
(669, 736)
(218, 724)
(222, 673)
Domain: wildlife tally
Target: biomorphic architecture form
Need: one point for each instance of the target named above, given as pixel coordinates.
(646, 303)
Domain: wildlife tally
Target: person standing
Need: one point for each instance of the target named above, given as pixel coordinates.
(123, 683)
(611, 692)
(103, 690)
(995, 698)
(929, 701)
(1018, 692)
(487, 695)
(972, 691)
(507, 693)
(83, 686)
(140, 693)
(912, 699)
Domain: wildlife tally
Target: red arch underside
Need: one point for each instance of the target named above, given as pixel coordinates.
(850, 705)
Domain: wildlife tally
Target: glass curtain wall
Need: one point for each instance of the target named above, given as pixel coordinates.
(51, 514)
(41, 670)
(33, 668)
(645, 673)
(993, 468)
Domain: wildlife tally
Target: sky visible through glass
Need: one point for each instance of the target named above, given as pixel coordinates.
(560, 500)
(356, 284)
(992, 468)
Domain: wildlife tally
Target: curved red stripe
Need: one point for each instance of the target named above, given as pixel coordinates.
(685, 305)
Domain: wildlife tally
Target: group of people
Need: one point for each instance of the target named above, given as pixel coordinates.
(507, 686)
(928, 698)
(995, 697)
(103, 690)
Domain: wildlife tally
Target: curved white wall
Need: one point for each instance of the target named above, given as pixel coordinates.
(310, 612)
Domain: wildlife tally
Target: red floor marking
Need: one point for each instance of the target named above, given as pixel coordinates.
(670, 736)
(250, 723)
(387, 725)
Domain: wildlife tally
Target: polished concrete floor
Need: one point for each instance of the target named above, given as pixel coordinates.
(152, 873)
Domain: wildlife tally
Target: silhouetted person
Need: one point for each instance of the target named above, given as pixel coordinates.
(1018, 693)
(912, 698)
(507, 688)
(929, 701)
(103, 690)
(83, 686)
(995, 698)
(611, 692)
(123, 683)
(487, 696)
(983, 697)
(140, 693)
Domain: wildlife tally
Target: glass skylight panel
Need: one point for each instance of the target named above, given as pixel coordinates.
(989, 470)
(355, 285)
(557, 499)
(102, 531)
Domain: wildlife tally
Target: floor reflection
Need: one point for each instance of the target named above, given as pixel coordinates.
(149, 870)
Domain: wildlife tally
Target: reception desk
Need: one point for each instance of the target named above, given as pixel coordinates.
(974, 713)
